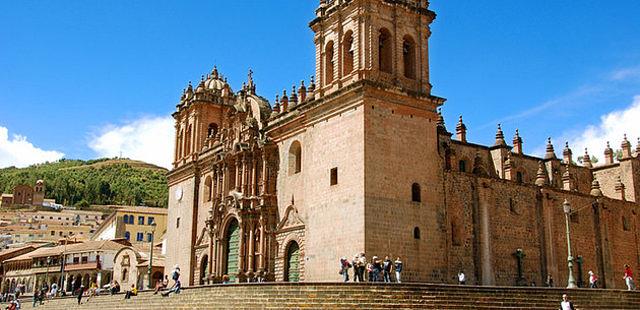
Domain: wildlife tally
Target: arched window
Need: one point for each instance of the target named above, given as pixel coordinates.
(415, 193)
(207, 189)
(328, 52)
(212, 130)
(126, 219)
(385, 51)
(519, 177)
(409, 57)
(295, 158)
(347, 53)
(125, 275)
(131, 218)
(625, 223)
(180, 144)
(127, 235)
(416, 233)
(462, 166)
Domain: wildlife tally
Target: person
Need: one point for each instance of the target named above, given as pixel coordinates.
(462, 279)
(628, 278)
(344, 268)
(386, 269)
(36, 298)
(93, 288)
(369, 272)
(355, 263)
(377, 268)
(566, 304)
(549, 282)
(225, 279)
(54, 290)
(132, 292)
(80, 292)
(362, 265)
(175, 289)
(593, 280)
(397, 265)
(159, 286)
(115, 287)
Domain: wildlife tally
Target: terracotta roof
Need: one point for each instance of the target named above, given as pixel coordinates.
(103, 245)
(43, 251)
(8, 252)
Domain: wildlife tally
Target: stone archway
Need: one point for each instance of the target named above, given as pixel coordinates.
(232, 245)
(292, 261)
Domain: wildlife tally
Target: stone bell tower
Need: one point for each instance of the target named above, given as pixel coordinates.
(381, 41)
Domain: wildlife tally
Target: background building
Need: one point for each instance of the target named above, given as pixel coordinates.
(133, 224)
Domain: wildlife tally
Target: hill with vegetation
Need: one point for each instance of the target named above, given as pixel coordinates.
(102, 181)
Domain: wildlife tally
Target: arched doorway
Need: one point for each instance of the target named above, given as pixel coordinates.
(204, 270)
(292, 271)
(233, 247)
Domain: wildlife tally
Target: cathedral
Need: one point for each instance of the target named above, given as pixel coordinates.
(359, 160)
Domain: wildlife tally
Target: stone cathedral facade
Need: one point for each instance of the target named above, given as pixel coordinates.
(360, 160)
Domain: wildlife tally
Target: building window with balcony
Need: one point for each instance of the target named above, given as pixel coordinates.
(140, 236)
(140, 220)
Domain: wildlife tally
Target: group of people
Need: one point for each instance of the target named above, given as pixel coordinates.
(377, 270)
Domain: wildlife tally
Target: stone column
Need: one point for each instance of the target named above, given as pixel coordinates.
(254, 164)
(225, 183)
(241, 247)
(99, 279)
(261, 263)
(243, 177)
(264, 174)
(238, 176)
(251, 247)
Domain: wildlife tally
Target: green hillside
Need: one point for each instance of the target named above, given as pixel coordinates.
(100, 181)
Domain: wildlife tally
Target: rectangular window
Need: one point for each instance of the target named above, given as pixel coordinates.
(334, 176)
(178, 223)
(139, 236)
(76, 260)
(149, 237)
(151, 220)
(140, 220)
(53, 233)
(85, 259)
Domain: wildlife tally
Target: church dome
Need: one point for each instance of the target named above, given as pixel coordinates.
(214, 81)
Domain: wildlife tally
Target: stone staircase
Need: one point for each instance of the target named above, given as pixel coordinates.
(356, 296)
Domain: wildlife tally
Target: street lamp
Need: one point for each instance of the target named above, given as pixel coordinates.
(567, 211)
(153, 231)
(46, 281)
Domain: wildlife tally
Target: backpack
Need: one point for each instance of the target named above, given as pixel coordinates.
(175, 275)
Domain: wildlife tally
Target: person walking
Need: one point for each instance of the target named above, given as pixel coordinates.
(386, 269)
(377, 269)
(344, 269)
(628, 278)
(80, 292)
(397, 266)
(566, 304)
(462, 279)
(593, 280)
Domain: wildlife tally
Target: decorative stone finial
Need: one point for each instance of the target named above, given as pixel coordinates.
(541, 177)
(440, 120)
(638, 148)
(608, 154)
(619, 186)
(595, 188)
(461, 131)
(567, 154)
(517, 143)
(312, 85)
(586, 159)
(500, 137)
(214, 72)
(285, 101)
(550, 153)
(302, 92)
(626, 148)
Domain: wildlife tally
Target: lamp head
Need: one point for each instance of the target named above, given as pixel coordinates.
(566, 206)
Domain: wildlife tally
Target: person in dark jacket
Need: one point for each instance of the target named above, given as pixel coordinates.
(386, 269)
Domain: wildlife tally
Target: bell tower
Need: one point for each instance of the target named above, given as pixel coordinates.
(383, 41)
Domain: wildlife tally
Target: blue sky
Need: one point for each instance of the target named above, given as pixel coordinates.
(81, 77)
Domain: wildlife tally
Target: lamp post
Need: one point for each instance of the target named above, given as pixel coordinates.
(153, 231)
(46, 278)
(567, 211)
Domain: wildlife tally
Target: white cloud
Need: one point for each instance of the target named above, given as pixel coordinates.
(147, 139)
(612, 127)
(19, 152)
